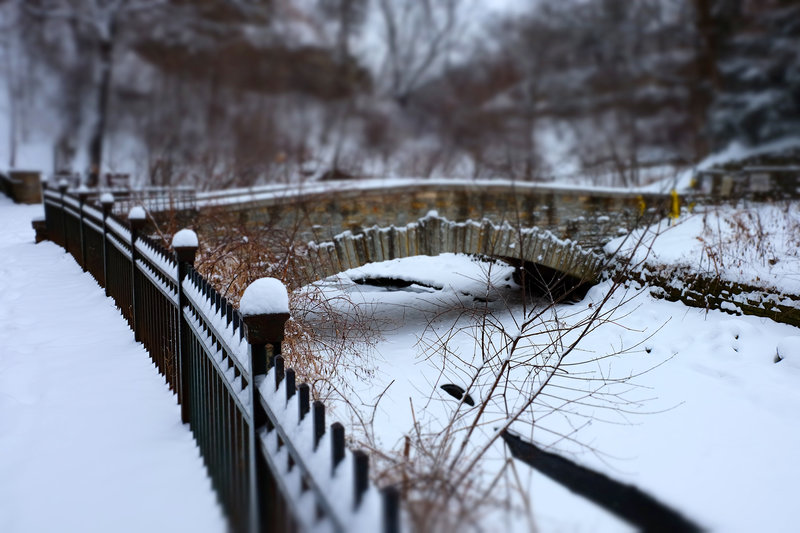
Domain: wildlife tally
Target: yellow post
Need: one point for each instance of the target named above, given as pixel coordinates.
(675, 211)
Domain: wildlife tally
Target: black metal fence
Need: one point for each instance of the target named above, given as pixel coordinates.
(274, 463)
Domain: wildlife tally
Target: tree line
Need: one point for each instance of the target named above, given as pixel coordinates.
(221, 93)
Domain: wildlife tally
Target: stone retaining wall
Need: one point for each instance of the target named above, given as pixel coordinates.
(696, 290)
(22, 186)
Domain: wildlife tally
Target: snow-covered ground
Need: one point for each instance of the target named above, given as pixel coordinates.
(756, 244)
(736, 151)
(90, 436)
(708, 425)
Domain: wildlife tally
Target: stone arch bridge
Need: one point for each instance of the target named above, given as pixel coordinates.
(555, 230)
(553, 266)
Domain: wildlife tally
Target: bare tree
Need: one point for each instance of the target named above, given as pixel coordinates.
(11, 60)
(419, 35)
(99, 21)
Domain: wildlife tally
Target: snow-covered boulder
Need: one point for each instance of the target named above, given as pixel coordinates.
(788, 351)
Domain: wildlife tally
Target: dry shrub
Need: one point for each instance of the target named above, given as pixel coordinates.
(743, 237)
(322, 343)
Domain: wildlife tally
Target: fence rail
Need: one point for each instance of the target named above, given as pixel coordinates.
(274, 463)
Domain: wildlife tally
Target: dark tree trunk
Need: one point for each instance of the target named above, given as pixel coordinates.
(706, 79)
(106, 52)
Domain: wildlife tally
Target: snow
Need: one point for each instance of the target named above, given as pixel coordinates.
(215, 321)
(166, 264)
(185, 238)
(137, 213)
(90, 430)
(264, 296)
(706, 401)
(757, 244)
(452, 271)
(788, 351)
(315, 464)
(106, 198)
(735, 151)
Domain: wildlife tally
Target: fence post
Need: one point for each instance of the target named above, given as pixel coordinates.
(265, 309)
(136, 218)
(185, 245)
(83, 193)
(62, 188)
(391, 510)
(107, 203)
(360, 476)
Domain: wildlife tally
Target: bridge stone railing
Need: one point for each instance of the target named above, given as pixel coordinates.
(590, 216)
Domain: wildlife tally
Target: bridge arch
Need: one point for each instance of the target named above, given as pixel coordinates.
(531, 249)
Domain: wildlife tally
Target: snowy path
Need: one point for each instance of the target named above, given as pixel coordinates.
(90, 436)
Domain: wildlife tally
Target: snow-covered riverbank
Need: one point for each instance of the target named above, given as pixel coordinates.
(705, 425)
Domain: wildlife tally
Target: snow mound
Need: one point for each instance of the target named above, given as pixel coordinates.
(137, 213)
(789, 351)
(106, 198)
(185, 238)
(264, 296)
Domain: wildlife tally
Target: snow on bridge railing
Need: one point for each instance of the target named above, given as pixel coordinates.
(244, 195)
(255, 428)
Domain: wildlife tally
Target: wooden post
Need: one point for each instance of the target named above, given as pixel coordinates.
(107, 203)
(262, 329)
(185, 256)
(137, 223)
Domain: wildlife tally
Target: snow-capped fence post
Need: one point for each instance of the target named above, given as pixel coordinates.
(136, 218)
(265, 309)
(185, 245)
(83, 194)
(62, 188)
(107, 204)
